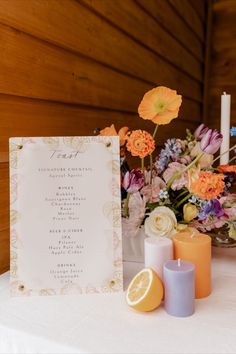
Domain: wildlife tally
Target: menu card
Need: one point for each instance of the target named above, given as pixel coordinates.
(65, 215)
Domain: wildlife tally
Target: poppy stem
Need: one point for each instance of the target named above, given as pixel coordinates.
(151, 160)
(217, 158)
(155, 131)
(142, 164)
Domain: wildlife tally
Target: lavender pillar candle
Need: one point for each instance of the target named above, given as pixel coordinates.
(179, 288)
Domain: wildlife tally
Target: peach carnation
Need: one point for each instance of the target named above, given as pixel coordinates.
(208, 185)
(160, 105)
(140, 143)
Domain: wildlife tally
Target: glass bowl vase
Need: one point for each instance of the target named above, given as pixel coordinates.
(220, 238)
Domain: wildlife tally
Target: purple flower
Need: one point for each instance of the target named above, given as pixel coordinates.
(211, 141)
(211, 208)
(200, 131)
(133, 181)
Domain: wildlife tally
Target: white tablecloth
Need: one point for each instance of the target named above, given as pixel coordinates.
(104, 323)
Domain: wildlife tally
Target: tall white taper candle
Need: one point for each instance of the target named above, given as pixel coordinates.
(225, 127)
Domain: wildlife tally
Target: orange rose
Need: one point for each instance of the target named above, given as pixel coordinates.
(160, 105)
(140, 143)
(111, 131)
(227, 168)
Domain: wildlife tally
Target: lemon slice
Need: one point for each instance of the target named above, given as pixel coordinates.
(145, 291)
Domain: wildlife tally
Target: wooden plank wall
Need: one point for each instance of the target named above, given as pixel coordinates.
(69, 66)
(223, 59)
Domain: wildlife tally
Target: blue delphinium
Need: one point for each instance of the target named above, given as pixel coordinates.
(193, 199)
(233, 131)
(172, 150)
(162, 161)
(198, 201)
(163, 194)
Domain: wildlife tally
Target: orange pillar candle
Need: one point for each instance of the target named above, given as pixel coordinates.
(196, 248)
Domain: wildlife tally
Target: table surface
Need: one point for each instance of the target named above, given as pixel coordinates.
(105, 324)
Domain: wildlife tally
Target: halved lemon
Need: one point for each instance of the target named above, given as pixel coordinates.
(145, 291)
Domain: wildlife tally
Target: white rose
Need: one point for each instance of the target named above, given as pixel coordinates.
(161, 223)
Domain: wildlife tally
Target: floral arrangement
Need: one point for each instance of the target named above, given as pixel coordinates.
(179, 188)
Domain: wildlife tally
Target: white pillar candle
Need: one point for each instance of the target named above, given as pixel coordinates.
(157, 250)
(225, 127)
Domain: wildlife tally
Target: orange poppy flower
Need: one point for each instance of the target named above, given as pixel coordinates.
(111, 131)
(227, 168)
(160, 105)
